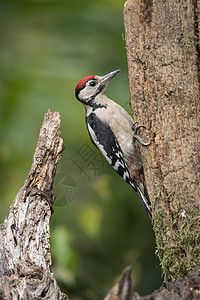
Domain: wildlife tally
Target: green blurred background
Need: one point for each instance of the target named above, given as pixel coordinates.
(99, 225)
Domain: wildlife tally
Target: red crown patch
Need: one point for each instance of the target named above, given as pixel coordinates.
(83, 81)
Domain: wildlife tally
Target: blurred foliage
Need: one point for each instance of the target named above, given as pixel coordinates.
(99, 225)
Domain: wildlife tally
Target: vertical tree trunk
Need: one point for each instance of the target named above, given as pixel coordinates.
(162, 39)
(25, 257)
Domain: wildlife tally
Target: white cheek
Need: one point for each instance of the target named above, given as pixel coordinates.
(87, 92)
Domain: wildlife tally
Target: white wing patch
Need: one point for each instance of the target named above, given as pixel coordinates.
(108, 145)
(126, 175)
(119, 162)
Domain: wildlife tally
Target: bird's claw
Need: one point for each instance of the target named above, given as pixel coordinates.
(135, 130)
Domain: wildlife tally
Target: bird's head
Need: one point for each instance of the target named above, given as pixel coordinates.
(91, 87)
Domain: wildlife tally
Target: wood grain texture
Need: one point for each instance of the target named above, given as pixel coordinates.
(25, 259)
(162, 40)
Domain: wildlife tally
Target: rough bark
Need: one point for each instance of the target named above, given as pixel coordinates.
(162, 39)
(183, 289)
(25, 259)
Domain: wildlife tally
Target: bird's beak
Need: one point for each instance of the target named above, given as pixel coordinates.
(106, 78)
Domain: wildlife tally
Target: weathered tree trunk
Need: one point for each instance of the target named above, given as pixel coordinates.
(162, 39)
(25, 258)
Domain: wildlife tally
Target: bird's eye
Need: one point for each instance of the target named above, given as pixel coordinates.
(93, 83)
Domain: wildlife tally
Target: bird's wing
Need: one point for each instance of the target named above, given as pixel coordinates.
(104, 139)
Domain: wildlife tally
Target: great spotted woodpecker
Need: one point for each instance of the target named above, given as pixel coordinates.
(113, 132)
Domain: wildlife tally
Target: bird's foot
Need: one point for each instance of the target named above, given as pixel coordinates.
(135, 128)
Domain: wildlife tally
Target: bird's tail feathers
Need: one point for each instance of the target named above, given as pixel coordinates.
(144, 198)
(145, 201)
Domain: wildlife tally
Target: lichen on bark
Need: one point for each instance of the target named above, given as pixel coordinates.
(173, 258)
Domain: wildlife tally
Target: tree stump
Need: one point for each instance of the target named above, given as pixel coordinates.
(183, 289)
(25, 259)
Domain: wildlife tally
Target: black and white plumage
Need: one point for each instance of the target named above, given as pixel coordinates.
(113, 132)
